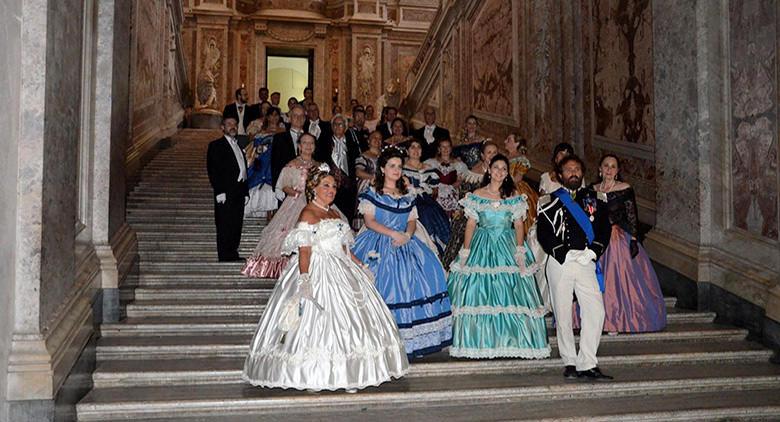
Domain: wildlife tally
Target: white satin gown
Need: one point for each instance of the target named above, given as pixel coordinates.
(340, 336)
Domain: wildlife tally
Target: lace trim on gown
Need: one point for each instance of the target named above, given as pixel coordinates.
(473, 204)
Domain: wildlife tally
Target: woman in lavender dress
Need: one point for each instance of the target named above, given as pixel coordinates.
(633, 300)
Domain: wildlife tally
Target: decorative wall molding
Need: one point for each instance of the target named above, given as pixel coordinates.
(39, 363)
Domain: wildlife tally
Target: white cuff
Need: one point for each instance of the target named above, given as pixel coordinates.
(221, 198)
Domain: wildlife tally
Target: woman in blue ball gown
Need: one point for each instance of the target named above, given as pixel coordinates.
(425, 180)
(496, 307)
(409, 276)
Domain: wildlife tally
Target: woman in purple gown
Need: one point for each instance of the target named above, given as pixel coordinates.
(632, 297)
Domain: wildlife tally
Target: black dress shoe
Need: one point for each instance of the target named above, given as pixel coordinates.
(593, 374)
(570, 372)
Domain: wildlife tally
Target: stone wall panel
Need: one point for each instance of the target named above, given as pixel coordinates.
(753, 46)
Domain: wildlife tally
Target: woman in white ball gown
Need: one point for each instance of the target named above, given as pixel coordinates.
(325, 326)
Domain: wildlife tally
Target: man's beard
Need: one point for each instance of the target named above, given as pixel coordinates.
(573, 183)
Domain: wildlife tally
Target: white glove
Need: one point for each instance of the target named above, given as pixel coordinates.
(464, 254)
(520, 256)
(221, 198)
(586, 257)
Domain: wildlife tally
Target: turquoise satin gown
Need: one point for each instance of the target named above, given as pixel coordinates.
(496, 307)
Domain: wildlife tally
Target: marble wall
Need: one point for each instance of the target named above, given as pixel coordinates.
(619, 78)
(60, 154)
(157, 77)
(121, 27)
(551, 71)
(754, 116)
(361, 49)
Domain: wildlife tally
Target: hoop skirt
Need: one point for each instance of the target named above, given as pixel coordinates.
(496, 307)
(344, 338)
(409, 278)
(431, 215)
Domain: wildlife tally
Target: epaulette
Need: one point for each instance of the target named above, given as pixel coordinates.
(546, 202)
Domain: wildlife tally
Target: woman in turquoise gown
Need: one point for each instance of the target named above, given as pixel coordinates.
(496, 307)
(409, 277)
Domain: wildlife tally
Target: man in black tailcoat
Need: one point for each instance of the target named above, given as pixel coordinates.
(226, 167)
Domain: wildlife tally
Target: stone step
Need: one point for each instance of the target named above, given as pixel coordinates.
(239, 314)
(427, 391)
(184, 293)
(198, 254)
(196, 307)
(153, 213)
(132, 373)
(203, 219)
(165, 205)
(203, 196)
(198, 346)
(188, 227)
(174, 246)
(215, 268)
(175, 236)
(742, 405)
(184, 190)
(220, 306)
(158, 279)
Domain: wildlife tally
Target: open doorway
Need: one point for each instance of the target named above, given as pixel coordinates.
(289, 71)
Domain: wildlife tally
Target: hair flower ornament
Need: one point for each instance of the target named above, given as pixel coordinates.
(324, 167)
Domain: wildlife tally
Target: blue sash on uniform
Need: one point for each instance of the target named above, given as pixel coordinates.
(584, 222)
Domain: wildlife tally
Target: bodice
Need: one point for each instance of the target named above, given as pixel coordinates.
(392, 212)
(327, 236)
(494, 214)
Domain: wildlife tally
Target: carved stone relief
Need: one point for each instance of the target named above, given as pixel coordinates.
(448, 84)
(366, 65)
(492, 62)
(754, 95)
(210, 69)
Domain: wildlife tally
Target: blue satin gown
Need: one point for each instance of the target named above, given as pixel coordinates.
(410, 278)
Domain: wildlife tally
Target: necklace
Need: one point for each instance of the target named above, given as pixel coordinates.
(324, 208)
(306, 163)
(604, 186)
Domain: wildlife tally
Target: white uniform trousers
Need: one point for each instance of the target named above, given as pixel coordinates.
(564, 280)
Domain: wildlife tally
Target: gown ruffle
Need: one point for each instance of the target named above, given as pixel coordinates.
(409, 278)
(344, 338)
(267, 260)
(496, 307)
(431, 215)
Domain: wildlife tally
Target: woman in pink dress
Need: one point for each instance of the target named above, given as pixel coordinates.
(267, 260)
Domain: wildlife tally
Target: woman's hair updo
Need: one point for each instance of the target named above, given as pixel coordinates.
(379, 180)
(316, 174)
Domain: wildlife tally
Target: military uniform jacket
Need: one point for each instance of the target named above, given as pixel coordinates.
(558, 231)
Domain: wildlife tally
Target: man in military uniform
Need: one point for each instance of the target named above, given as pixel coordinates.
(573, 229)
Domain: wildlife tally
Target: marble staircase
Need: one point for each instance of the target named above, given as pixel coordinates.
(178, 353)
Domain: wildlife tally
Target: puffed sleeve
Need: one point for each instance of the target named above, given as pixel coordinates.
(366, 207)
(470, 207)
(301, 235)
(520, 209)
(413, 214)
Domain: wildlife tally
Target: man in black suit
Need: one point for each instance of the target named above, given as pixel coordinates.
(240, 111)
(314, 125)
(284, 147)
(430, 134)
(340, 152)
(358, 132)
(386, 125)
(226, 167)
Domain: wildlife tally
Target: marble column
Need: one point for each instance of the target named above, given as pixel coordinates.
(29, 371)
